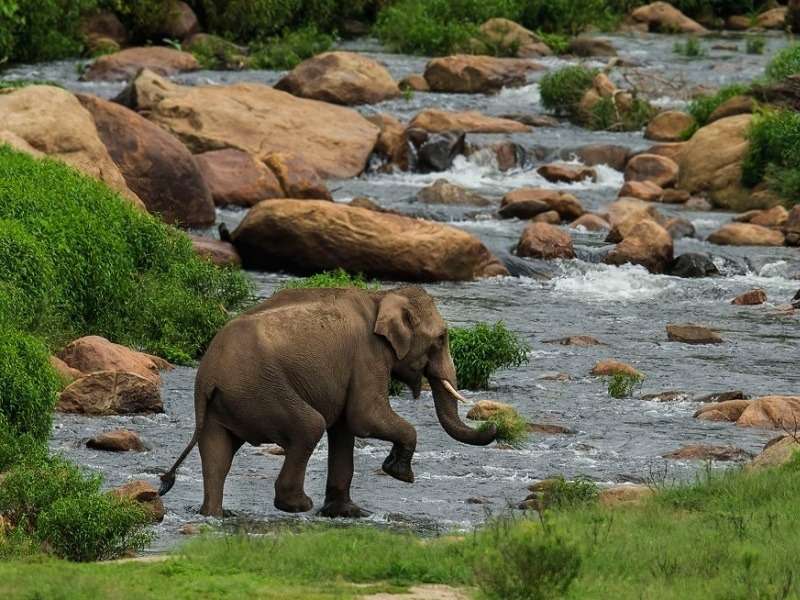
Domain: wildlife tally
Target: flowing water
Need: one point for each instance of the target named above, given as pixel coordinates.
(612, 440)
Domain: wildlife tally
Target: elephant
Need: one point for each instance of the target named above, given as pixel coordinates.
(310, 361)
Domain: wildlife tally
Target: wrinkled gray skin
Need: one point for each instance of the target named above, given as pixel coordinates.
(307, 362)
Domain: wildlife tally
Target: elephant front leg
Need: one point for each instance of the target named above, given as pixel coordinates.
(340, 474)
(391, 427)
(398, 463)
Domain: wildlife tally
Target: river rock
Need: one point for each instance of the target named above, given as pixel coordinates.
(665, 18)
(707, 452)
(550, 217)
(415, 82)
(94, 353)
(774, 18)
(692, 264)
(336, 141)
(590, 222)
(437, 151)
(468, 74)
(671, 150)
(775, 454)
(774, 217)
(525, 203)
(305, 237)
(647, 244)
(146, 90)
(746, 234)
(64, 371)
(691, 333)
(501, 35)
(545, 241)
(642, 190)
(182, 25)
(125, 64)
(156, 166)
(483, 410)
(630, 210)
(346, 78)
(772, 412)
(710, 163)
(217, 252)
(588, 46)
(725, 396)
(668, 125)
(437, 121)
(298, 178)
(566, 173)
(679, 227)
(657, 169)
(444, 192)
(104, 393)
(392, 140)
(119, 440)
(102, 27)
(729, 410)
(738, 105)
(751, 298)
(50, 120)
(609, 368)
(611, 155)
(791, 228)
(549, 428)
(237, 178)
(668, 396)
(144, 494)
(675, 196)
(581, 341)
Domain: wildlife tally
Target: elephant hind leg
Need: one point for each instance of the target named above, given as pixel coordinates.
(305, 432)
(217, 448)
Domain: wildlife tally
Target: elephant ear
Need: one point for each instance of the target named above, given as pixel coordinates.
(396, 323)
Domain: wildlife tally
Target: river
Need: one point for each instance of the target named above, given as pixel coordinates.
(613, 441)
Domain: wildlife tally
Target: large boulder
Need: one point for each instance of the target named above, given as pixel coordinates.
(503, 35)
(104, 393)
(237, 178)
(50, 121)
(94, 353)
(305, 237)
(146, 90)
(442, 191)
(791, 228)
(541, 240)
(124, 65)
(647, 244)
(710, 163)
(692, 333)
(336, 141)
(665, 18)
(658, 169)
(156, 166)
(144, 494)
(668, 125)
(297, 176)
(772, 412)
(468, 74)
(436, 121)
(746, 234)
(392, 141)
(526, 203)
(346, 78)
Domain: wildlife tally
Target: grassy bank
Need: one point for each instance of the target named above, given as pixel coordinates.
(727, 537)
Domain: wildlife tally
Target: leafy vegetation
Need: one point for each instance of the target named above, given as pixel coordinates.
(480, 350)
(691, 48)
(512, 429)
(621, 385)
(784, 63)
(336, 278)
(563, 90)
(755, 45)
(702, 107)
(610, 115)
(774, 153)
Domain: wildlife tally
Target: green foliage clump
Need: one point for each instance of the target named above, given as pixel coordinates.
(53, 503)
(784, 63)
(103, 266)
(525, 559)
(562, 493)
(755, 45)
(606, 114)
(567, 16)
(512, 429)
(774, 153)
(287, 51)
(481, 350)
(563, 90)
(691, 48)
(701, 107)
(143, 18)
(621, 385)
(333, 279)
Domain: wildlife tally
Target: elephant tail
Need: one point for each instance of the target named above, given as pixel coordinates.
(168, 478)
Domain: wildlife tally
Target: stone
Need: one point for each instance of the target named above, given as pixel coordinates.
(610, 155)
(692, 264)
(647, 244)
(675, 196)
(555, 376)
(609, 368)
(691, 333)
(217, 252)
(737, 23)
(545, 241)
(588, 46)
(710, 163)
(95, 353)
(308, 236)
(723, 396)
(566, 173)
(642, 190)
(119, 440)
(791, 228)
(103, 25)
(746, 234)
(751, 298)
(699, 204)
(729, 410)
(772, 19)
(436, 121)
(509, 155)
(142, 493)
(298, 177)
(774, 217)
(772, 412)
(104, 393)
(45, 120)
(776, 454)
(415, 82)
(630, 210)
(346, 78)
(156, 166)
(665, 18)
(549, 429)
(738, 105)
(438, 150)
(146, 90)
(526, 203)
(392, 140)
(468, 74)
(670, 396)
(590, 222)
(708, 452)
(581, 341)
(483, 410)
(444, 192)
(125, 64)
(550, 217)
(657, 169)
(499, 36)
(672, 150)
(668, 125)
(237, 178)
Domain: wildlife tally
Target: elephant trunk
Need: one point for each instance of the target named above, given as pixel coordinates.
(446, 402)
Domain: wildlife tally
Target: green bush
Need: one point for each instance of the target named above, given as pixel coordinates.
(481, 350)
(334, 278)
(567, 16)
(563, 90)
(288, 51)
(701, 107)
(784, 63)
(607, 115)
(621, 385)
(756, 45)
(53, 502)
(774, 153)
(690, 47)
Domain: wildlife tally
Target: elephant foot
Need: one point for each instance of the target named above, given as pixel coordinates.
(347, 510)
(398, 466)
(294, 506)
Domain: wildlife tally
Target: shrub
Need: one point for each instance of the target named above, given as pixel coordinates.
(690, 47)
(756, 45)
(621, 385)
(143, 18)
(245, 20)
(512, 429)
(701, 107)
(774, 153)
(606, 114)
(335, 278)
(563, 493)
(567, 16)
(288, 51)
(563, 90)
(480, 350)
(784, 63)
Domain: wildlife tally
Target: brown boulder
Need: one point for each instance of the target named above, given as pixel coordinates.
(660, 170)
(119, 440)
(444, 192)
(468, 74)
(751, 298)
(436, 121)
(486, 409)
(647, 244)
(566, 173)
(746, 234)
(103, 25)
(550, 217)
(298, 178)
(502, 35)
(738, 105)
(675, 196)
(642, 190)
(305, 237)
(665, 18)
(690, 333)
(710, 163)
(631, 210)
(542, 240)
(588, 46)
(142, 493)
(237, 178)
(392, 140)
(155, 165)
(526, 203)
(218, 252)
(125, 64)
(346, 78)
(772, 412)
(64, 371)
(729, 410)
(146, 90)
(610, 155)
(774, 217)
(581, 341)
(672, 150)
(707, 452)
(94, 353)
(415, 82)
(774, 18)
(590, 222)
(792, 226)
(609, 368)
(104, 393)
(774, 455)
(51, 121)
(668, 125)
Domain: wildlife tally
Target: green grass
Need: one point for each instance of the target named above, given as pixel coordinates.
(480, 350)
(690, 48)
(512, 429)
(784, 63)
(335, 278)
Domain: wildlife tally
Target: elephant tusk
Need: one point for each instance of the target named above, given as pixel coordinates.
(448, 386)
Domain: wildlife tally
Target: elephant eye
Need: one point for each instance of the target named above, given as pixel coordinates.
(440, 341)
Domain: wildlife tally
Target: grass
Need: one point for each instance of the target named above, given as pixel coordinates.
(723, 536)
(691, 48)
(336, 278)
(784, 63)
(512, 429)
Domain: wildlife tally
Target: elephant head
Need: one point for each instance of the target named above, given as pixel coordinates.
(409, 321)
